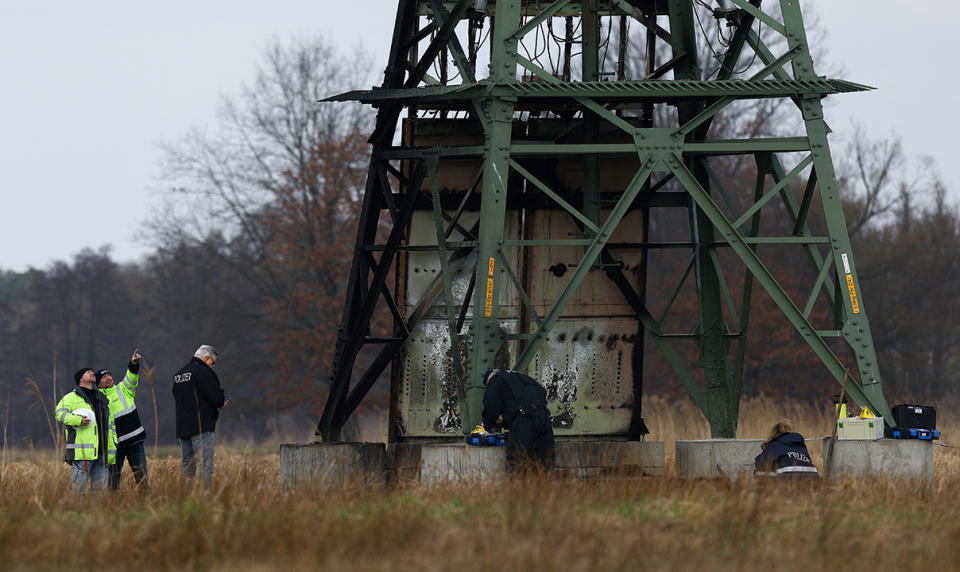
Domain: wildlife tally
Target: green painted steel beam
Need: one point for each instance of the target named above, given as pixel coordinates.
(767, 19)
(605, 90)
(485, 335)
(796, 213)
(557, 198)
(787, 240)
(716, 147)
(735, 49)
(589, 257)
(524, 297)
(541, 17)
(533, 8)
(705, 117)
(776, 190)
(721, 411)
(740, 360)
(856, 326)
(818, 284)
(801, 214)
(679, 286)
(773, 288)
(447, 277)
(661, 340)
(680, 151)
(724, 287)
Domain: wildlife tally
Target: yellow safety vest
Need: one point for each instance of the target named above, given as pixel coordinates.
(123, 409)
(83, 443)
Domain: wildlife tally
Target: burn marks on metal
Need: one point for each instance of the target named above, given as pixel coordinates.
(587, 370)
(428, 400)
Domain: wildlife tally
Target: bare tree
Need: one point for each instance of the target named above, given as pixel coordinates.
(273, 193)
(867, 177)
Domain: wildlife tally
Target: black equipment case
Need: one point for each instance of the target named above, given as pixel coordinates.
(915, 416)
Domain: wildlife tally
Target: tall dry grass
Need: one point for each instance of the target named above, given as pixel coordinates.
(246, 520)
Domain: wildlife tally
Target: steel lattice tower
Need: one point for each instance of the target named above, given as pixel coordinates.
(507, 222)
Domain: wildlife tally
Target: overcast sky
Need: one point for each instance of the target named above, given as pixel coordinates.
(90, 88)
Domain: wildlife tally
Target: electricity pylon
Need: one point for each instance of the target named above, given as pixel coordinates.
(511, 211)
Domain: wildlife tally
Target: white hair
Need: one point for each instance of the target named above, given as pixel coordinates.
(205, 351)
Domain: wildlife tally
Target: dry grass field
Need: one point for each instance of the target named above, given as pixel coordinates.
(246, 521)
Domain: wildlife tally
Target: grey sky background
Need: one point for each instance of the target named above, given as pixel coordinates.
(90, 88)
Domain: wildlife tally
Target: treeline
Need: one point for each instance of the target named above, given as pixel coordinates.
(92, 312)
(252, 241)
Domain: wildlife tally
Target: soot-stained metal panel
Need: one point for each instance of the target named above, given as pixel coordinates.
(428, 403)
(587, 368)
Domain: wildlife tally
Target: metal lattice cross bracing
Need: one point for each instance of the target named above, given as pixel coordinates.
(520, 151)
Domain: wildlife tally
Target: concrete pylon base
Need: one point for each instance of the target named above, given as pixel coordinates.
(438, 463)
(889, 458)
(709, 458)
(368, 464)
(333, 465)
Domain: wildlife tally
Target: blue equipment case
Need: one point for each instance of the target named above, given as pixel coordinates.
(488, 440)
(911, 433)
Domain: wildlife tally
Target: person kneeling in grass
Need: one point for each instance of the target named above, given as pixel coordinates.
(785, 454)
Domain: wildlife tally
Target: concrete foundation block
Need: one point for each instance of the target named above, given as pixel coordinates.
(888, 458)
(431, 464)
(596, 457)
(332, 465)
(709, 458)
(437, 463)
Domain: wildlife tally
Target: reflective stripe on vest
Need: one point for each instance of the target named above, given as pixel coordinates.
(796, 469)
(81, 446)
(123, 400)
(131, 434)
(125, 411)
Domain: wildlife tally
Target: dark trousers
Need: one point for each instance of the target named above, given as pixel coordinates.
(530, 443)
(137, 457)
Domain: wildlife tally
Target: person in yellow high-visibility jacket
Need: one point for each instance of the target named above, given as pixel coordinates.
(130, 431)
(90, 436)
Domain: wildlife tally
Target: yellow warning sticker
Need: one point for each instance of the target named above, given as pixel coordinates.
(488, 304)
(853, 295)
(490, 267)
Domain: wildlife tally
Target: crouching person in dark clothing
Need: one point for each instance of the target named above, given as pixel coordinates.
(522, 403)
(785, 455)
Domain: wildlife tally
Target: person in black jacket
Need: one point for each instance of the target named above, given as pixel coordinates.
(199, 397)
(522, 404)
(785, 454)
